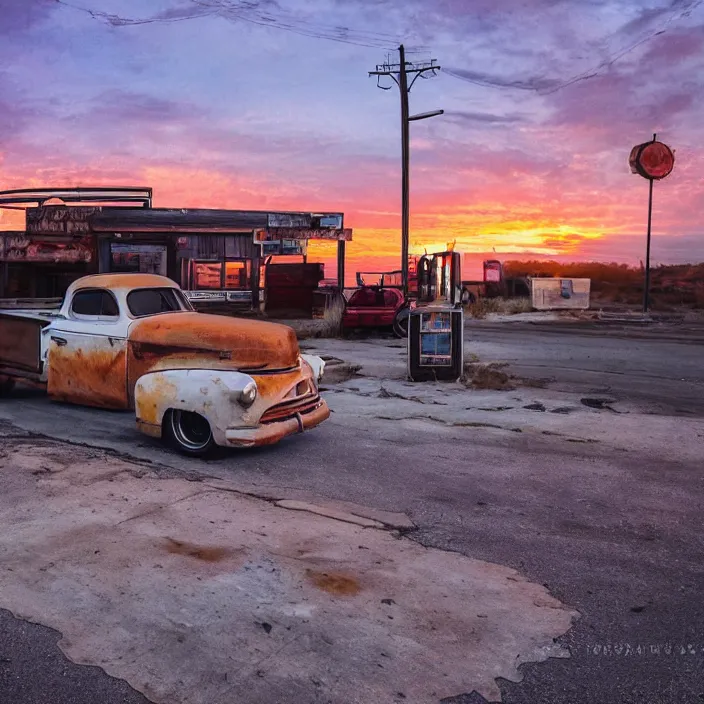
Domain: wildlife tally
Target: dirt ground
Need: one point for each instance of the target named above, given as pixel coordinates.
(578, 482)
(193, 592)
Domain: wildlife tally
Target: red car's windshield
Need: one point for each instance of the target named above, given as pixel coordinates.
(371, 297)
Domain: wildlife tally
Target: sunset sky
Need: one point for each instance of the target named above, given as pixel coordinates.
(215, 106)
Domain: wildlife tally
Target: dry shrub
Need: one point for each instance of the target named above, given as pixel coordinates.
(487, 376)
(483, 306)
(330, 325)
(511, 306)
(515, 306)
(332, 319)
(671, 285)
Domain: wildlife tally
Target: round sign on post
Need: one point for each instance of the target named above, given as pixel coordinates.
(653, 161)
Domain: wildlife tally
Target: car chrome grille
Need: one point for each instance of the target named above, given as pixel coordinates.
(290, 408)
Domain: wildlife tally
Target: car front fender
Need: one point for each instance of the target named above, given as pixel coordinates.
(210, 393)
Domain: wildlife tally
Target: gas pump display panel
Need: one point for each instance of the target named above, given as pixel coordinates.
(435, 344)
(436, 340)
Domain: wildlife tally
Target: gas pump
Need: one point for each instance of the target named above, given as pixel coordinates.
(436, 325)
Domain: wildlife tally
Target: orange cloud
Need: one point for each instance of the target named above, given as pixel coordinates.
(520, 213)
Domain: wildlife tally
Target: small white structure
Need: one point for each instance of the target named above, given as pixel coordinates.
(560, 294)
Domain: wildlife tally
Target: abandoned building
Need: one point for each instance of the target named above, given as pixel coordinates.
(231, 257)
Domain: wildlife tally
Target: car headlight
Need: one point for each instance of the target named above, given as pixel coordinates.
(248, 395)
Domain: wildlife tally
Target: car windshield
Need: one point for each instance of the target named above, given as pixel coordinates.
(152, 301)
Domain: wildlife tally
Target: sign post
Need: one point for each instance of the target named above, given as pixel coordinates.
(653, 161)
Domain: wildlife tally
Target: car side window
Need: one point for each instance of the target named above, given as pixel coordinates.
(152, 301)
(109, 306)
(95, 303)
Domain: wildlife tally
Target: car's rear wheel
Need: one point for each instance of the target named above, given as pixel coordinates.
(401, 319)
(188, 432)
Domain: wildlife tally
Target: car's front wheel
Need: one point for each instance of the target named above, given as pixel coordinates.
(188, 432)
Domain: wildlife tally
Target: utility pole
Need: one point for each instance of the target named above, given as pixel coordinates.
(400, 72)
(654, 161)
(646, 289)
(405, 168)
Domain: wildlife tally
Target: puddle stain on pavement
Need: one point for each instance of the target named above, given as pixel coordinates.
(334, 583)
(199, 552)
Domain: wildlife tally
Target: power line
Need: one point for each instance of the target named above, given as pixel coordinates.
(548, 86)
(250, 12)
(118, 21)
(285, 19)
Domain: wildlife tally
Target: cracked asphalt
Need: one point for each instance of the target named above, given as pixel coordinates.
(612, 529)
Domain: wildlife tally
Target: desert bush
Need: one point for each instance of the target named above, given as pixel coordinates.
(332, 319)
(672, 285)
(482, 306)
(511, 306)
(487, 376)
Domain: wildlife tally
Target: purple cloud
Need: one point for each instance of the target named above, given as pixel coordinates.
(20, 16)
(464, 117)
(480, 78)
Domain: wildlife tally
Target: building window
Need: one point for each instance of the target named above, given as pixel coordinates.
(138, 258)
(207, 275)
(233, 275)
(238, 275)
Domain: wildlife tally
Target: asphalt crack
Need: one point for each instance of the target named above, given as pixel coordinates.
(453, 424)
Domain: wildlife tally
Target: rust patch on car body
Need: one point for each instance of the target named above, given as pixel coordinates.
(277, 386)
(335, 583)
(199, 552)
(88, 377)
(243, 343)
(202, 341)
(152, 401)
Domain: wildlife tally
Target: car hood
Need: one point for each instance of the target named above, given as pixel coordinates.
(214, 341)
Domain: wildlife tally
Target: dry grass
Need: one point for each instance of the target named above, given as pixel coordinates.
(482, 307)
(330, 325)
(514, 306)
(511, 306)
(487, 376)
(672, 286)
(332, 319)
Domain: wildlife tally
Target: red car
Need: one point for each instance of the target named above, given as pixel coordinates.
(376, 307)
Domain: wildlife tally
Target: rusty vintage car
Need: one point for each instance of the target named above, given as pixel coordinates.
(123, 341)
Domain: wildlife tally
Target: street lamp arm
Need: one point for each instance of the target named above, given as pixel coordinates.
(425, 115)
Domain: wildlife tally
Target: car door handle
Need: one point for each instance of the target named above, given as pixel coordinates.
(60, 341)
